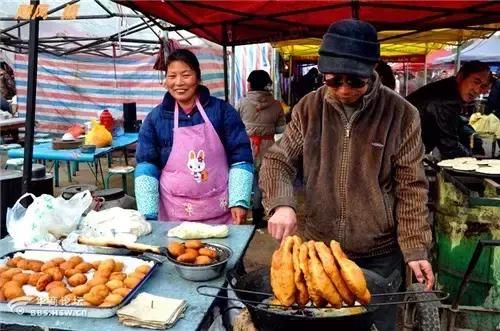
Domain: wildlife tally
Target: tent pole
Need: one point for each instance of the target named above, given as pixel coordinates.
(290, 71)
(457, 58)
(425, 64)
(30, 100)
(233, 74)
(226, 81)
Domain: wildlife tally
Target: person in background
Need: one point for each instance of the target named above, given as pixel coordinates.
(362, 152)
(441, 104)
(493, 103)
(386, 74)
(7, 89)
(263, 117)
(194, 160)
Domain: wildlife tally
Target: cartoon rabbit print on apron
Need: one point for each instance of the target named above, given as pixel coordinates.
(196, 164)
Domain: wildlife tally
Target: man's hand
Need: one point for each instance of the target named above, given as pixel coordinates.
(283, 223)
(239, 215)
(423, 272)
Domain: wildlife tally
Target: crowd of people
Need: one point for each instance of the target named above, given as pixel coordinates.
(359, 144)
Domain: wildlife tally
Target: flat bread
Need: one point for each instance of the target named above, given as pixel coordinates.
(465, 166)
(448, 163)
(489, 170)
(489, 162)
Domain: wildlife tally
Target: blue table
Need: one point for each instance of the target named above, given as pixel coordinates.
(164, 282)
(46, 152)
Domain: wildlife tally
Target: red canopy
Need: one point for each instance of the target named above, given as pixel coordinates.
(251, 21)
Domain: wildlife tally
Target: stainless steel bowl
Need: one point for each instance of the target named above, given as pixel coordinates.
(204, 272)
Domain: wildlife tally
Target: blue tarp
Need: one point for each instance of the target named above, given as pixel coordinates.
(484, 50)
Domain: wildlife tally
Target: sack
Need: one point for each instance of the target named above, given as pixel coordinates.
(46, 219)
(98, 135)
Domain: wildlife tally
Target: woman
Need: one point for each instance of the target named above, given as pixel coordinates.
(194, 161)
(263, 117)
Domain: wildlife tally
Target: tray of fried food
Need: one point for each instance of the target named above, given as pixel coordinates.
(303, 272)
(95, 285)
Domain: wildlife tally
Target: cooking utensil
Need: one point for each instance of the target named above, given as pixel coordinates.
(203, 272)
(135, 247)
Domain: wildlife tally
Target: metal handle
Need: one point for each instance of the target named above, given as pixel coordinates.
(136, 247)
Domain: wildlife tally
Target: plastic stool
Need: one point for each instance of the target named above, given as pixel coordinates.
(15, 163)
(123, 171)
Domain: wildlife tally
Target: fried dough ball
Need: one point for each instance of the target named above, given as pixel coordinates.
(106, 267)
(93, 299)
(10, 273)
(118, 275)
(75, 260)
(97, 281)
(114, 284)
(189, 256)
(11, 283)
(134, 274)
(176, 249)
(123, 291)
(67, 265)
(23, 264)
(192, 251)
(21, 278)
(58, 260)
(203, 259)
(102, 274)
(35, 265)
(196, 244)
(13, 291)
(68, 299)
(12, 263)
(131, 282)
(55, 283)
(43, 281)
(118, 266)
(100, 290)
(80, 290)
(143, 269)
(2, 282)
(3, 268)
(58, 292)
(95, 264)
(84, 267)
(77, 279)
(55, 272)
(70, 272)
(208, 252)
(34, 277)
(113, 299)
(48, 265)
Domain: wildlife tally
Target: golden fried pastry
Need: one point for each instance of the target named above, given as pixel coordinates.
(12, 263)
(331, 269)
(191, 251)
(203, 259)
(2, 297)
(77, 279)
(23, 264)
(350, 271)
(58, 260)
(34, 277)
(282, 273)
(100, 290)
(55, 272)
(187, 257)
(106, 267)
(208, 252)
(80, 290)
(11, 283)
(2, 282)
(131, 282)
(107, 304)
(48, 265)
(10, 273)
(123, 291)
(118, 266)
(114, 284)
(70, 272)
(93, 298)
(58, 292)
(196, 244)
(95, 264)
(75, 260)
(43, 281)
(102, 274)
(135, 274)
(365, 298)
(302, 295)
(176, 249)
(55, 283)
(316, 298)
(144, 269)
(67, 265)
(118, 275)
(3, 268)
(35, 265)
(97, 281)
(21, 278)
(114, 299)
(12, 291)
(320, 279)
(68, 299)
(84, 267)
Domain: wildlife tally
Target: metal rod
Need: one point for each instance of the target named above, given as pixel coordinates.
(30, 100)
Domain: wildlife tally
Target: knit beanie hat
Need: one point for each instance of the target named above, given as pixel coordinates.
(349, 47)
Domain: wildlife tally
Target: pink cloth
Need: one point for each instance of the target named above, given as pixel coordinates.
(194, 182)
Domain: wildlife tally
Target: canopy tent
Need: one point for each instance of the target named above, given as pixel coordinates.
(483, 50)
(244, 22)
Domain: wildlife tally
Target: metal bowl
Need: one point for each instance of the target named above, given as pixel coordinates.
(204, 272)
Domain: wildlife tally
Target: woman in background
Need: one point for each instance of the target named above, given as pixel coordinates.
(194, 161)
(263, 117)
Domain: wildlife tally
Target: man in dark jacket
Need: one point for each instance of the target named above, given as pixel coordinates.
(441, 103)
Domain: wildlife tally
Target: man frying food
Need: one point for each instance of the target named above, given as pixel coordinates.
(361, 150)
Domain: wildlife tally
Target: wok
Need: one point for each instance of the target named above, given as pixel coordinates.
(269, 318)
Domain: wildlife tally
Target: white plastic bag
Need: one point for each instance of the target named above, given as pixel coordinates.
(46, 219)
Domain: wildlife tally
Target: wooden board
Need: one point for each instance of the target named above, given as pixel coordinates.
(58, 143)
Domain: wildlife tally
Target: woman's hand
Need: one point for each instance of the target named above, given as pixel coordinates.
(283, 223)
(239, 215)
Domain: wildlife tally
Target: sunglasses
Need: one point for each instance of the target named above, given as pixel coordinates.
(351, 81)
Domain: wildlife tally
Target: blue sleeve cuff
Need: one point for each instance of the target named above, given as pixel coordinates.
(147, 169)
(240, 184)
(147, 192)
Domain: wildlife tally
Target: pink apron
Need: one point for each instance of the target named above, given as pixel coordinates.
(193, 183)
